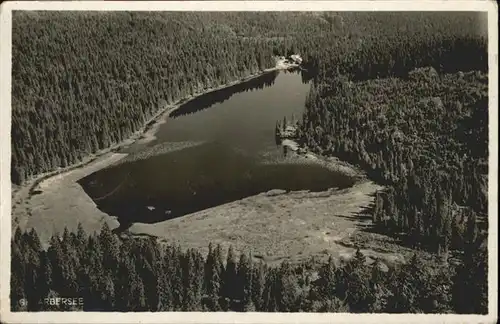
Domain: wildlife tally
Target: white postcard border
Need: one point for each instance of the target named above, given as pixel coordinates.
(197, 317)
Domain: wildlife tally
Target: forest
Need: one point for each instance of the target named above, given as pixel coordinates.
(402, 95)
(82, 81)
(413, 113)
(425, 137)
(140, 274)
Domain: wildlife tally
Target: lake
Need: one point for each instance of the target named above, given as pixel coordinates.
(217, 148)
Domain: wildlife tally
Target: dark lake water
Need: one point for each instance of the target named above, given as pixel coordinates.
(236, 155)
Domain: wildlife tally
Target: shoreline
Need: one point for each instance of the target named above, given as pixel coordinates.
(279, 225)
(48, 202)
(331, 162)
(145, 134)
(276, 224)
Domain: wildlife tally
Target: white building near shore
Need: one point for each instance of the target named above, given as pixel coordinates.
(296, 58)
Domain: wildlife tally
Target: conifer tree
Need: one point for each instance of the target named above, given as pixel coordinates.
(110, 250)
(379, 288)
(326, 282)
(137, 297)
(287, 290)
(229, 280)
(270, 292)
(258, 281)
(188, 272)
(359, 295)
(212, 279)
(164, 282)
(176, 271)
(44, 283)
(470, 284)
(245, 272)
(18, 274)
(57, 262)
(123, 280)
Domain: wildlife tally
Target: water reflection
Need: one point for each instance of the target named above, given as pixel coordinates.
(208, 100)
(196, 178)
(239, 155)
(306, 76)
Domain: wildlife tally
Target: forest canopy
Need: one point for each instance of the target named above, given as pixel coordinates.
(144, 275)
(402, 95)
(82, 81)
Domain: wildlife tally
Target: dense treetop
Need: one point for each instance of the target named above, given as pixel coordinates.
(82, 81)
(144, 275)
(402, 95)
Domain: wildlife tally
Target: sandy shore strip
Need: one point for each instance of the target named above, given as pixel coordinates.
(145, 134)
(277, 225)
(23, 207)
(60, 202)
